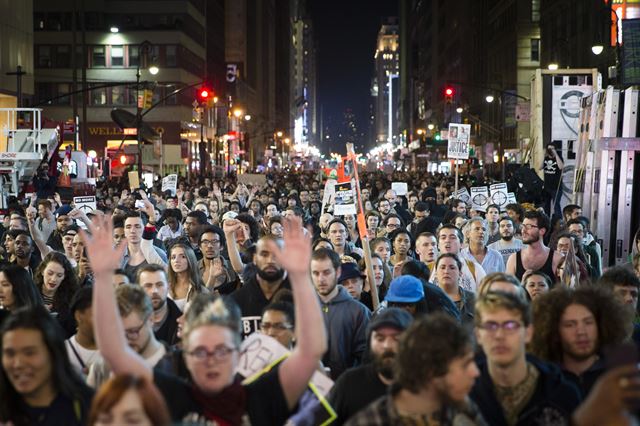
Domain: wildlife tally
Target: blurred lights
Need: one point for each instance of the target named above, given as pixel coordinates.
(597, 49)
(431, 127)
(114, 29)
(552, 66)
(489, 98)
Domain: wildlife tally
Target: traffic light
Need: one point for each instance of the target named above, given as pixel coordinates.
(448, 94)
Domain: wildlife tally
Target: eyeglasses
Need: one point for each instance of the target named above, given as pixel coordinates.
(210, 242)
(219, 354)
(276, 326)
(133, 333)
(492, 327)
(528, 226)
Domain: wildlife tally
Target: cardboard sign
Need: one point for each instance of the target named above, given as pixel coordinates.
(134, 181)
(259, 351)
(499, 194)
(480, 198)
(252, 179)
(170, 183)
(511, 198)
(459, 137)
(345, 202)
(400, 188)
(86, 204)
(463, 195)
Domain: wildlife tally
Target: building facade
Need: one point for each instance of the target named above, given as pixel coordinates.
(385, 85)
(87, 55)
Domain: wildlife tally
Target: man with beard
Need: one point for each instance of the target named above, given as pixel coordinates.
(360, 386)
(573, 326)
(346, 319)
(259, 290)
(192, 224)
(513, 387)
(153, 280)
(507, 244)
(135, 310)
(23, 249)
(63, 221)
(434, 371)
(536, 256)
(217, 274)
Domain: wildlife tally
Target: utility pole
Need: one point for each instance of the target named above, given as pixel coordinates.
(18, 73)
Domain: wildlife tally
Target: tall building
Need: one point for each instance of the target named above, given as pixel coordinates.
(98, 46)
(385, 87)
(16, 50)
(258, 44)
(304, 77)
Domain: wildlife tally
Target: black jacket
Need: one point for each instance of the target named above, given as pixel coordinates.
(552, 403)
(167, 332)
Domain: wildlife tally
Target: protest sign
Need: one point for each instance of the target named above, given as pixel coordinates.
(459, 136)
(252, 179)
(511, 198)
(400, 188)
(134, 181)
(463, 195)
(345, 202)
(499, 194)
(86, 204)
(170, 183)
(480, 198)
(327, 198)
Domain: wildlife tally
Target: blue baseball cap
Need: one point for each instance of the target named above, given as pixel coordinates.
(405, 289)
(63, 210)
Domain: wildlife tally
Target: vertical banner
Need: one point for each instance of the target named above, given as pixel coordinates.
(327, 198)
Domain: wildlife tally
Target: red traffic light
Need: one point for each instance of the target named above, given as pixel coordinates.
(204, 94)
(449, 91)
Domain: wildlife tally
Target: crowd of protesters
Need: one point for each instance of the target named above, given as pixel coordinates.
(444, 314)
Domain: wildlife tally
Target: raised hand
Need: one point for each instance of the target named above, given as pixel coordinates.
(230, 226)
(295, 257)
(104, 258)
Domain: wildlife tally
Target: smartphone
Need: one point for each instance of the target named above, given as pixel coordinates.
(623, 354)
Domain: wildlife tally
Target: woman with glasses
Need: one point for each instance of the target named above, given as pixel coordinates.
(278, 321)
(211, 344)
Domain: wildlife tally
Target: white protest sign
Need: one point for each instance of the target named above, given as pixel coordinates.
(499, 194)
(259, 351)
(479, 198)
(459, 137)
(327, 197)
(85, 204)
(511, 198)
(345, 202)
(170, 183)
(400, 188)
(463, 195)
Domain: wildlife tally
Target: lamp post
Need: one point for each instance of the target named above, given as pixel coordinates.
(144, 48)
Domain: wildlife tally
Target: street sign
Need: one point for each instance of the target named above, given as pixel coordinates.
(459, 136)
(130, 131)
(86, 204)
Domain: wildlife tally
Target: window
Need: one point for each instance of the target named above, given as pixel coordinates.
(134, 56)
(98, 96)
(535, 49)
(171, 56)
(117, 56)
(98, 58)
(44, 56)
(63, 56)
(118, 95)
(63, 88)
(535, 10)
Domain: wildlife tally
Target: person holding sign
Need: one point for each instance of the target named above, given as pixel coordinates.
(211, 344)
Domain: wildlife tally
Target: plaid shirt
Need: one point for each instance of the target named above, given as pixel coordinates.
(382, 412)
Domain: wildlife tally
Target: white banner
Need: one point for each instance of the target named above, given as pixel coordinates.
(459, 136)
(463, 195)
(565, 111)
(327, 198)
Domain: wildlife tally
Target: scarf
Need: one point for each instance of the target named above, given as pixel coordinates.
(225, 408)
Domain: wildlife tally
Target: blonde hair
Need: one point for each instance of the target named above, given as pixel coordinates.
(223, 313)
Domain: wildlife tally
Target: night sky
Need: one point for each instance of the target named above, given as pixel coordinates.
(346, 32)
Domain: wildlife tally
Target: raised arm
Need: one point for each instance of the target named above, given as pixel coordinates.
(106, 318)
(38, 238)
(230, 226)
(311, 337)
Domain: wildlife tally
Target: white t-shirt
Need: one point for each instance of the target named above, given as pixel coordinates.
(81, 358)
(507, 249)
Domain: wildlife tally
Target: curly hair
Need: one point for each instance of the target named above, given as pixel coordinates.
(427, 349)
(613, 320)
(69, 285)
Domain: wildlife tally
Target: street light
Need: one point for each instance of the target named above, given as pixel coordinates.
(552, 66)
(489, 98)
(114, 29)
(597, 49)
(459, 110)
(237, 113)
(431, 126)
(144, 49)
(279, 134)
(420, 132)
